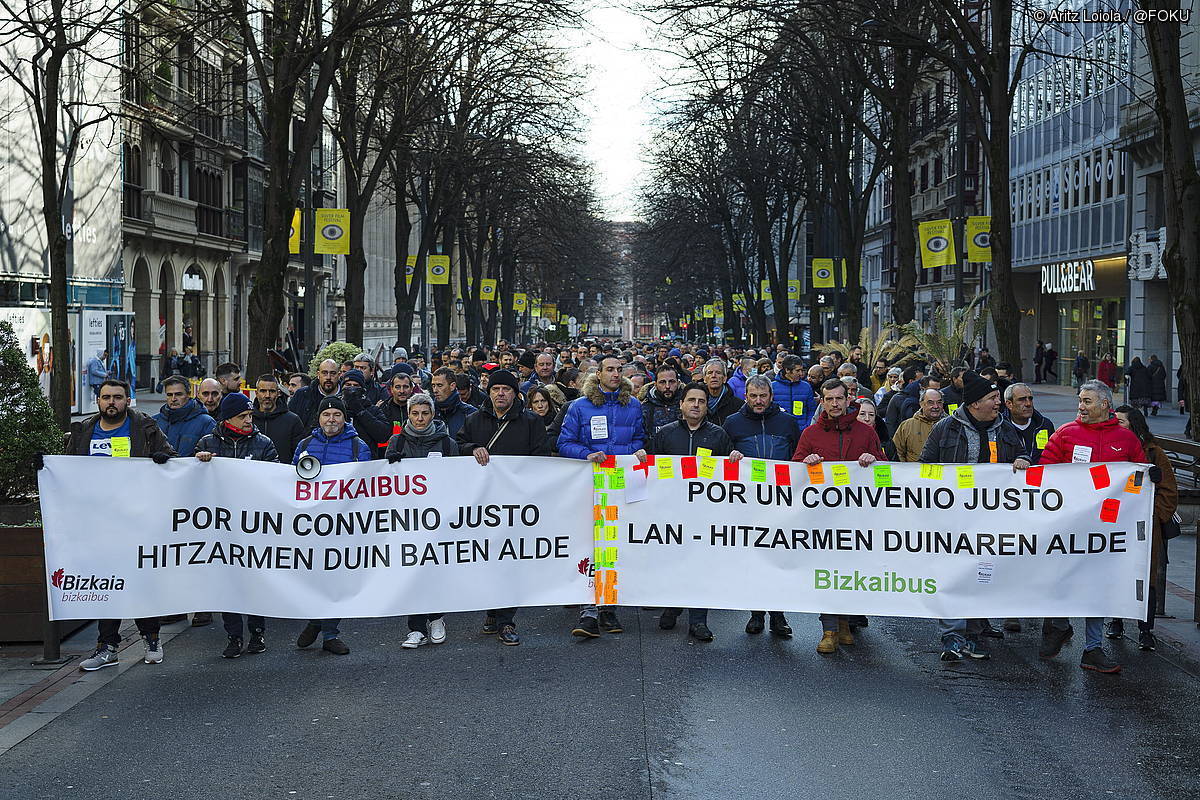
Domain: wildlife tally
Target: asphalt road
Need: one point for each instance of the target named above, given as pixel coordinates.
(643, 714)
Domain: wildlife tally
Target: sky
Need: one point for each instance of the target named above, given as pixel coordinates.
(621, 76)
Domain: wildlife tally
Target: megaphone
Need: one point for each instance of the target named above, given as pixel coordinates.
(308, 467)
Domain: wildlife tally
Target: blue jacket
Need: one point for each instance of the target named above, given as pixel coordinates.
(787, 394)
(737, 383)
(771, 434)
(623, 414)
(185, 426)
(341, 449)
(453, 412)
(97, 373)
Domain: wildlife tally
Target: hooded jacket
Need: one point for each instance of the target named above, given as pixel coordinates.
(793, 396)
(145, 437)
(950, 441)
(224, 443)
(658, 412)
(725, 405)
(677, 439)
(282, 427)
(407, 445)
(453, 411)
(524, 432)
(1100, 441)
(771, 434)
(340, 449)
(1036, 435)
(737, 383)
(842, 438)
(184, 426)
(903, 405)
(622, 425)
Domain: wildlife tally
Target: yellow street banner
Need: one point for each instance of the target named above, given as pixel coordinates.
(764, 290)
(550, 311)
(822, 273)
(519, 301)
(437, 270)
(487, 289)
(294, 234)
(739, 302)
(709, 312)
(535, 307)
(937, 244)
(333, 231)
(563, 319)
(410, 269)
(793, 290)
(979, 239)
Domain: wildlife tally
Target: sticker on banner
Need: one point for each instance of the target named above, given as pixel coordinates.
(984, 571)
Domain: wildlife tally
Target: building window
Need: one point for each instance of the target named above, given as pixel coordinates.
(131, 190)
(166, 169)
(937, 171)
(924, 175)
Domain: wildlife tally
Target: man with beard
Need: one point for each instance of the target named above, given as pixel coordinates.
(282, 427)
(305, 401)
(502, 428)
(118, 431)
(660, 404)
(450, 408)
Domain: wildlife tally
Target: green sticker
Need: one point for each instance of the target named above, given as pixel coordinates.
(598, 481)
(758, 471)
(617, 479)
(883, 475)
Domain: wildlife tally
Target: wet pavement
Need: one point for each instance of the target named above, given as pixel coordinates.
(646, 713)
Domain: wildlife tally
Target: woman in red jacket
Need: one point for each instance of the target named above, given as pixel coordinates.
(1106, 371)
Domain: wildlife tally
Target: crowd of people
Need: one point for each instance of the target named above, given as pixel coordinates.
(595, 399)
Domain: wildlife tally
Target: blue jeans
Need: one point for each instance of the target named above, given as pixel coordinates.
(329, 627)
(960, 628)
(233, 624)
(696, 616)
(1093, 630)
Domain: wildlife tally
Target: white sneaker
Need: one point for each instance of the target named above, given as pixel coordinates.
(154, 650)
(105, 656)
(415, 639)
(437, 631)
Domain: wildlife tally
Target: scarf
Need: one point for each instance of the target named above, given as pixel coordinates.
(712, 401)
(237, 433)
(974, 430)
(435, 431)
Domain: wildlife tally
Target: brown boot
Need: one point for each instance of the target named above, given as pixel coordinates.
(828, 643)
(844, 636)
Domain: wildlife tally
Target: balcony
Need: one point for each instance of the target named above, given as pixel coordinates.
(169, 213)
(235, 224)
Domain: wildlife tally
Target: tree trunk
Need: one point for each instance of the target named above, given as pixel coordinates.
(56, 242)
(356, 269)
(1182, 188)
(904, 266)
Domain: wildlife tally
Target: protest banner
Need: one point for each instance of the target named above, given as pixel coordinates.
(941, 541)
(131, 538)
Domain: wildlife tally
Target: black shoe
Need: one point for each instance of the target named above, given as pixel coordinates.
(610, 623)
(308, 635)
(1154, 412)
(1012, 625)
(666, 622)
(233, 649)
(201, 618)
(508, 635)
(587, 628)
(1053, 641)
(1146, 640)
(859, 621)
(257, 643)
(172, 619)
(780, 627)
(700, 632)
(755, 624)
(1096, 661)
(1115, 629)
(335, 646)
(990, 632)
(490, 628)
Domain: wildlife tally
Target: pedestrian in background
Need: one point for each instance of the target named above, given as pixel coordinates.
(1106, 371)
(1137, 380)
(1158, 384)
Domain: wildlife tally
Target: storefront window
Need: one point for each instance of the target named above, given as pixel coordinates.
(1095, 327)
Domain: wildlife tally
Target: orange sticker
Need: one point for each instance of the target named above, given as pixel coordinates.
(597, 512)
(1134, 484)
(610, 512)
(816, 473)
(995, 455)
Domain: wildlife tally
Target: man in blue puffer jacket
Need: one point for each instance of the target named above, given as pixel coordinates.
(605, 420)
(334, 442)
(760, 429)
(182, 418)
(792, 393)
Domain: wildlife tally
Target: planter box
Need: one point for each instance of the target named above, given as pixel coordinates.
(22, 584)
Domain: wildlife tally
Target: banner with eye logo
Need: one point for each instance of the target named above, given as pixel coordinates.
(333, 231)
(979, 239)
(437, 270)
(937, 244)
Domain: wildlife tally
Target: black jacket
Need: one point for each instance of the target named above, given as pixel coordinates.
(894, 413)
(304, 404)
(145, 437)
(727, 404)
(1139, 381)
(658, 412)
(1158, 380)
(1037, 424)
(282, 427)
(524, 434)
(677, 439)
(379, 423)
(224, 443)
(947, 443)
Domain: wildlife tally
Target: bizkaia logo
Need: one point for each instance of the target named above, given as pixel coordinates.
(585, 567)
(85, 587)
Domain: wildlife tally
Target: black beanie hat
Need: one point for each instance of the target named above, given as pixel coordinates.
(976, 388)
(333, 401)
(232, 404)
(528, 359)
(502, 377)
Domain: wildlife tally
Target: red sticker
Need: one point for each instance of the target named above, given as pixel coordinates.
(1109, 510)
(731, 470)
(783, 475)
(1033, 476)
(687, 467)
(609, 462)
(1099, 476)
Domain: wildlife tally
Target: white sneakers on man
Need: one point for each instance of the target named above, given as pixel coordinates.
(437, 631)
(415, 639)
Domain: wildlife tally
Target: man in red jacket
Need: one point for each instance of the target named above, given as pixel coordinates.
(837, 436)
(1095, 436)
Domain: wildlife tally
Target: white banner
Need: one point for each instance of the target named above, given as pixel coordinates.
(131, 538)
(941, 541)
